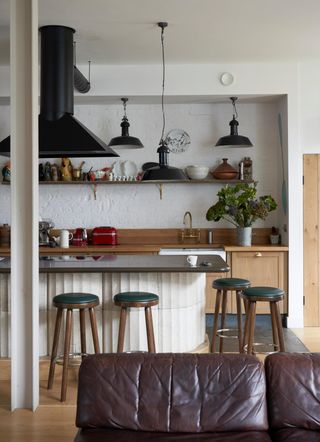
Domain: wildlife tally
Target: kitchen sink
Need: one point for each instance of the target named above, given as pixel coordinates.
(194, 251)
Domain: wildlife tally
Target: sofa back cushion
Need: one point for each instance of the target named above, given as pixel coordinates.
(172, 392)
(293, 381)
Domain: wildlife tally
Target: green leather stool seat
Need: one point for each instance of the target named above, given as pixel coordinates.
(135, 297)
(263, 292)
(75, 298)
(222, 283)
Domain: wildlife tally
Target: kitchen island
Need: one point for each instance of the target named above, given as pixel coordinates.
(179, 320)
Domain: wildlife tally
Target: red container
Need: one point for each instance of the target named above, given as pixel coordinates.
(80, 238)
(104, 236)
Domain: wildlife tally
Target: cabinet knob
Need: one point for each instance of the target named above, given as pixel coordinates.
(258, 254)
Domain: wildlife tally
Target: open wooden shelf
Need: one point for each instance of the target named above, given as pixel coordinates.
(206, 181)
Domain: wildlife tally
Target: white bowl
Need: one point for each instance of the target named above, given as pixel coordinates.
(197, 172)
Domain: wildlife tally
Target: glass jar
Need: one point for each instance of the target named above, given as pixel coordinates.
(247, 168)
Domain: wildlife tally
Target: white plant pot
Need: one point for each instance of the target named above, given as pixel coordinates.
(244, 236)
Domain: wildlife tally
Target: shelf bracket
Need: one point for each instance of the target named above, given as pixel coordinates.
(94, 188)
(160, 187)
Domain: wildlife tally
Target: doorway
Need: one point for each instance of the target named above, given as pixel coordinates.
(311, 239)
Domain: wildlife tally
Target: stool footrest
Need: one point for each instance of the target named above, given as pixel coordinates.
(261, 344)
(220, 333)
(75, 359)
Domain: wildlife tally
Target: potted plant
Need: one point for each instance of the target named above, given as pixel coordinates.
(240, 206)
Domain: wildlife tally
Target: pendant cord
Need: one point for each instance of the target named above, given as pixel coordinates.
(235, 113)
(163, 82)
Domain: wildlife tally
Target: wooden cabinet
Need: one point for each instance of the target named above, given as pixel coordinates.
(261, 268)
(211, 293)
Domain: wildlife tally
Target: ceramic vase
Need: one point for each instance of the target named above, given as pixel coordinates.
(244, 236)
(224, 171)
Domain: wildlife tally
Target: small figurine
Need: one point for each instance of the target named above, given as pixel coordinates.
(54, 172)
(47, 171)
(6, 172)
(66, 169)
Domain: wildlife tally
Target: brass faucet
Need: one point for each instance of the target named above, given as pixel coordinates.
(190, 220)
(188, 232)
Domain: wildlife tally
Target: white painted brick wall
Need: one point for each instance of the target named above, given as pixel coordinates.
(129, 206)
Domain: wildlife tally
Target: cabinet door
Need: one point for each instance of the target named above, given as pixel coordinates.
(211, 293)
(262, 269)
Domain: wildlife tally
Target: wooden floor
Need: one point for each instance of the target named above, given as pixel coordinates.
(54, 421)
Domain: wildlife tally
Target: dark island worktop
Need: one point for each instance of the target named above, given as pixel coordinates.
(125, 263)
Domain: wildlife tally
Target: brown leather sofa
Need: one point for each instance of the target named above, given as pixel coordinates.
(204, 397)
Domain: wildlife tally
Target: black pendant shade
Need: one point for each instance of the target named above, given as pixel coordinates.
(163, 171)
(234, 139)
(125, 140)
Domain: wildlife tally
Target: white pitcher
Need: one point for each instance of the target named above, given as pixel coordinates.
(64, 238)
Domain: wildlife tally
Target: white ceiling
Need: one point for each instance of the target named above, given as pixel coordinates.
(200, 31)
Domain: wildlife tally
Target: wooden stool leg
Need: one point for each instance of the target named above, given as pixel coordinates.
(93, 321)
(83, 332)
(275, 335)
(252, 319)
(239, 319)
(122, 328)
(150, 333)
(54, 351)
(223, 317)
(280, 330)
(66, 355)
(215, 322)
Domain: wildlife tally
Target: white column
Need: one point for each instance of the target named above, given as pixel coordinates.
(24, 204)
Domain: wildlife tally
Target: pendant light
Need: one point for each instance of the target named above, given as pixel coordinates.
(125, 140)
(163, 171)
(234, 140)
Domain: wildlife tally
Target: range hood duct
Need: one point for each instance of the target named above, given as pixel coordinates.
(60, 133)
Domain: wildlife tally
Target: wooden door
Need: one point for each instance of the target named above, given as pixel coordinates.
(311, 241)
(262, 269)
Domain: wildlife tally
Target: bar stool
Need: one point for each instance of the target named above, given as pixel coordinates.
(127, 300)
(70, 302)
(272, 295)
(223, 285)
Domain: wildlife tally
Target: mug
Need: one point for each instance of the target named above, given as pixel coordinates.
(192, 260)
(65, 237)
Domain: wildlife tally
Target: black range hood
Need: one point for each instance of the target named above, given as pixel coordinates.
(60, 133)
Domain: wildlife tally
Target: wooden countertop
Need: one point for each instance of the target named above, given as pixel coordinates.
(125, 263)
(146, 248)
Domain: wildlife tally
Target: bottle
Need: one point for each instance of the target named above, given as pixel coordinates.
(247, 168)
(241, 169)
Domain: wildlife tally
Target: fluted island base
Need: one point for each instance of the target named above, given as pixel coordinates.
(179, 320)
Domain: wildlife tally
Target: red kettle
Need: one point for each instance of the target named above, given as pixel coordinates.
(80, 237)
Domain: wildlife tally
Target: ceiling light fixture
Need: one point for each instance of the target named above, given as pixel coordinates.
(124, 140)
(234, 140)
(163, 171)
